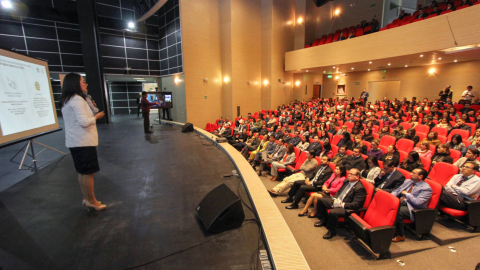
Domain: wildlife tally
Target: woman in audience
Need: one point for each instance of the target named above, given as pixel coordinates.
(442, 154)
(412, 162)
(411, 135)
(323, 126)
(444, 123)
(358, 125)
(398, 118)
(304, 132)
(385, 131)
(303, 145)
(367, 135)
(413, 120)
(453, 112)
(432, 138)
(324, 138)
(424, 150)
(346, 140)
(327, 151)
(477, 122)
(288, 159)
(475, 137)
(360, 145)
(398, 133)
(329, 189)
(372, 170)
(392, 154)
(355, 131)
(332, 129)
(261, 147)
(375, 150)
(457, 144)
(466, 118)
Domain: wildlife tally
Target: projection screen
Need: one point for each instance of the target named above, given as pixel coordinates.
(27, 106)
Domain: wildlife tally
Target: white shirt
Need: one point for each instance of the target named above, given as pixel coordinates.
(80, 123)
(469, 95)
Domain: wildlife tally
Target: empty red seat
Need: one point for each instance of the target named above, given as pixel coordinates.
(336, 139)
(387, 140)
(442, 172)
(376, 228)
(367, 29)
(359, 32)
(426, 163)
(405, 145)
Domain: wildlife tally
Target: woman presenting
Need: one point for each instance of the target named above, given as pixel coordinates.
(81, 135)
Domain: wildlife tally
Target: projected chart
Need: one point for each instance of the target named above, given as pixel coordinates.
(25, 99)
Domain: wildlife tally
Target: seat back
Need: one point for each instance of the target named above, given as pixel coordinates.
(387, 140)
(332, 166)
(382, 210)
(336, 139)
(436, 192)
(442, 172)
(464, 133)
(422, 128)
(405, 125)
(405, 173)
(405, 145)
(440, 131)
(426, 163)
(455, 154)
(334, 149)
(370, 189)
(403, 155)
(300, 160)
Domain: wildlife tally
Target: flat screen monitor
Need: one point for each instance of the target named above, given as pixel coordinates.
(164, 99)
(27, 106)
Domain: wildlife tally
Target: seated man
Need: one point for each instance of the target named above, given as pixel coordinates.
(351, 195)
(389, 178)
(355, 160)
(463, 186)
(295, 140)
(271, 146)
(343, 130)
(470, 156)
(340, 156)
(461, 125)
(264, 130)
(391, 122)
(415, 193)
(321, 175)
(421, 14)
(308, 166)
(275, 155)
(316, 146)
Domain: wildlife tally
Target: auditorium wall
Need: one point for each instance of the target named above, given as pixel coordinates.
(179, 111)
(414, 81)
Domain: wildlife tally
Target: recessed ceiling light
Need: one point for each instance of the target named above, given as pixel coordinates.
(138, 78)
(131, 25)
(307, 70)
(352, 68)
(368, 69)
(325, 71)
(455, 60)
(333, 66)
(439, 58)
(406, 65)
(421, 55)
(370, 62)
(389, 64)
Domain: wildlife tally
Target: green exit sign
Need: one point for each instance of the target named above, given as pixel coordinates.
(329, 76)
(383, 71)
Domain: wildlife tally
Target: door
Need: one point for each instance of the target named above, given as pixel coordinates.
(317, 91)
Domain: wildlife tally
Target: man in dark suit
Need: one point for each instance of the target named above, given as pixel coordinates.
(316, 146)
(351, 196)
(279, 133)
(389, 178)
(460, 124)
(355, 160)
(264, 130)
(321, 174)
(421, 14)
(295, 140)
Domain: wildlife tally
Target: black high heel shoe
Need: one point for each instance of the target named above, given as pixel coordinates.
(304, 214)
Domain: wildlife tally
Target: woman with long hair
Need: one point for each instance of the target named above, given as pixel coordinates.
(367, 135)
(346, 141)
(81, 135)
(411, 134)
(324, 138)
(457, 143)
(398, 133)
(442, 154)
(385, 131)
(391, 154)
(412, 162)
(360, 145)
(304, 143)
(372, 170)
(329, 189)
(432, 138)
(327, 151)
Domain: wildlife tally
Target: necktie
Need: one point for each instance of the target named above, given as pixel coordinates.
(316, 176)
(344, 193)
(464, 178)
(408, 191)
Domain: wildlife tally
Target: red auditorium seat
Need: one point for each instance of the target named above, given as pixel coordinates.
(367, 29)
(421, 136)
(368, 144)
(472, 127)
(302, 156)
(422, 128)
(457, 4)
(359, 32)
(425, 218)
(464, 133)
(446, 11)
(329, 39)
(307, 46)
(336, 139)
(387, 140)
(405, 145)
(477, 3)
(417, 20)
(405, 173)
(208, 127)
(431, 16)
(360, 212)
(403, 155)
(334, 149)
(376, 229)
(443, 139)
(471, 216)
(440, 131)
(455, 154)
(426, 163)
(442, 172)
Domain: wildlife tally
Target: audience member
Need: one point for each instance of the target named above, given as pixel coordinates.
(389, 178)
(461, 187)
(355, 160)
(470, 156)
(411, 162)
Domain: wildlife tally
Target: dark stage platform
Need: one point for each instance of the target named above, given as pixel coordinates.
(151, 185)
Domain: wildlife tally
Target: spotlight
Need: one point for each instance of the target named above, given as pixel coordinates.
(455, 60)
(389, 64)
(406, 65)
(131, 25)
(300, 20)
(297, 83)
(226, 80)
(370, 62)
(431, 71)
(6, 4)
(368, 69)
(439, 58)
(352, 68)
(265, 82)
(421, 55)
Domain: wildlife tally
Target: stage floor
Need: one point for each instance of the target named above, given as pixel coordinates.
(151, 184)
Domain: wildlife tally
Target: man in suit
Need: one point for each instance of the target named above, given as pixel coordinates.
(384, 116)
(258, 125)
(321, 174)
(295, 140)
(355, 160)
(351, 195)
(341, 37)
(271, 145)
(340, 156)
(251, 145)
(421, 14)
(240, 138)
(264, 130)
(268, 157)
(146, 112)
(279, 133)
(415, 193)
(389, 178)
(462, 187)
(461, 125)
(316, 146)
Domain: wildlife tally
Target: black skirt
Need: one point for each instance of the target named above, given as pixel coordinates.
(85, 159)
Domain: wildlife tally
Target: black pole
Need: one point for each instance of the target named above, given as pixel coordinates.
(87, 20)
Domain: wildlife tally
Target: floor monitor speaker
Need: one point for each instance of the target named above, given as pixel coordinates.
(221, 210)
(188, 127)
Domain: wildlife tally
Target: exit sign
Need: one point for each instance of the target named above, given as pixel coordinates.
(356, 83)
(329, 76)
(383, 71)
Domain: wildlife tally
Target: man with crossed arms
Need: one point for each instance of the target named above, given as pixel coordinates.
(462, 187)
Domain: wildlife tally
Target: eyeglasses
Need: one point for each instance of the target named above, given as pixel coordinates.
(466, 167)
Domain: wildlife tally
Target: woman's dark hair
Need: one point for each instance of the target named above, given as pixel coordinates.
(373, 159)
(290, 148)
(411, 132)
(343, 171)
(415, 156)
(70, 88)
(458, 138)
(369, 132)
(307, 138)
(444, 146)
(327, 147)
(346, 136)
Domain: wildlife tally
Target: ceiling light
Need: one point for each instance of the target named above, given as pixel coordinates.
(455, 60)
(326, 72)
(177, 80)
(352, 68)
(265, 82)
(131, 25)
(333, 66)
(368, 69)
(370, 62)
(297, 83)
(307, 70)
(406, 65)
(300, 20)
(389, 64)
(337, 11)
(226, 80)
(6, 4)
(138, 78)
(439, 58)
(421, 55)
(431, 71)
(141, 80)
(336, 78)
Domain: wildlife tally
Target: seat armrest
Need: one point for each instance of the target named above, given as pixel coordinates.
(424, 220)
(473, 208)
(356, 211)
(381, 238)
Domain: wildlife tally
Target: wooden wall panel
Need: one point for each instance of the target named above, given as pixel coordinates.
(226, 55)
(267, 43)
(465, 24)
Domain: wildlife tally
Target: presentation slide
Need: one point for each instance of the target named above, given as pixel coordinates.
(25, 96)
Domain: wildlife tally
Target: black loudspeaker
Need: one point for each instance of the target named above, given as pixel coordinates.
(320, 3)
(221, 210)
(188, 127)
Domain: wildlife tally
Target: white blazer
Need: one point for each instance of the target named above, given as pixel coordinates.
(80, 123)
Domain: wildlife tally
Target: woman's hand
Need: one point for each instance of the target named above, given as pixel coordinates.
(99, 115)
